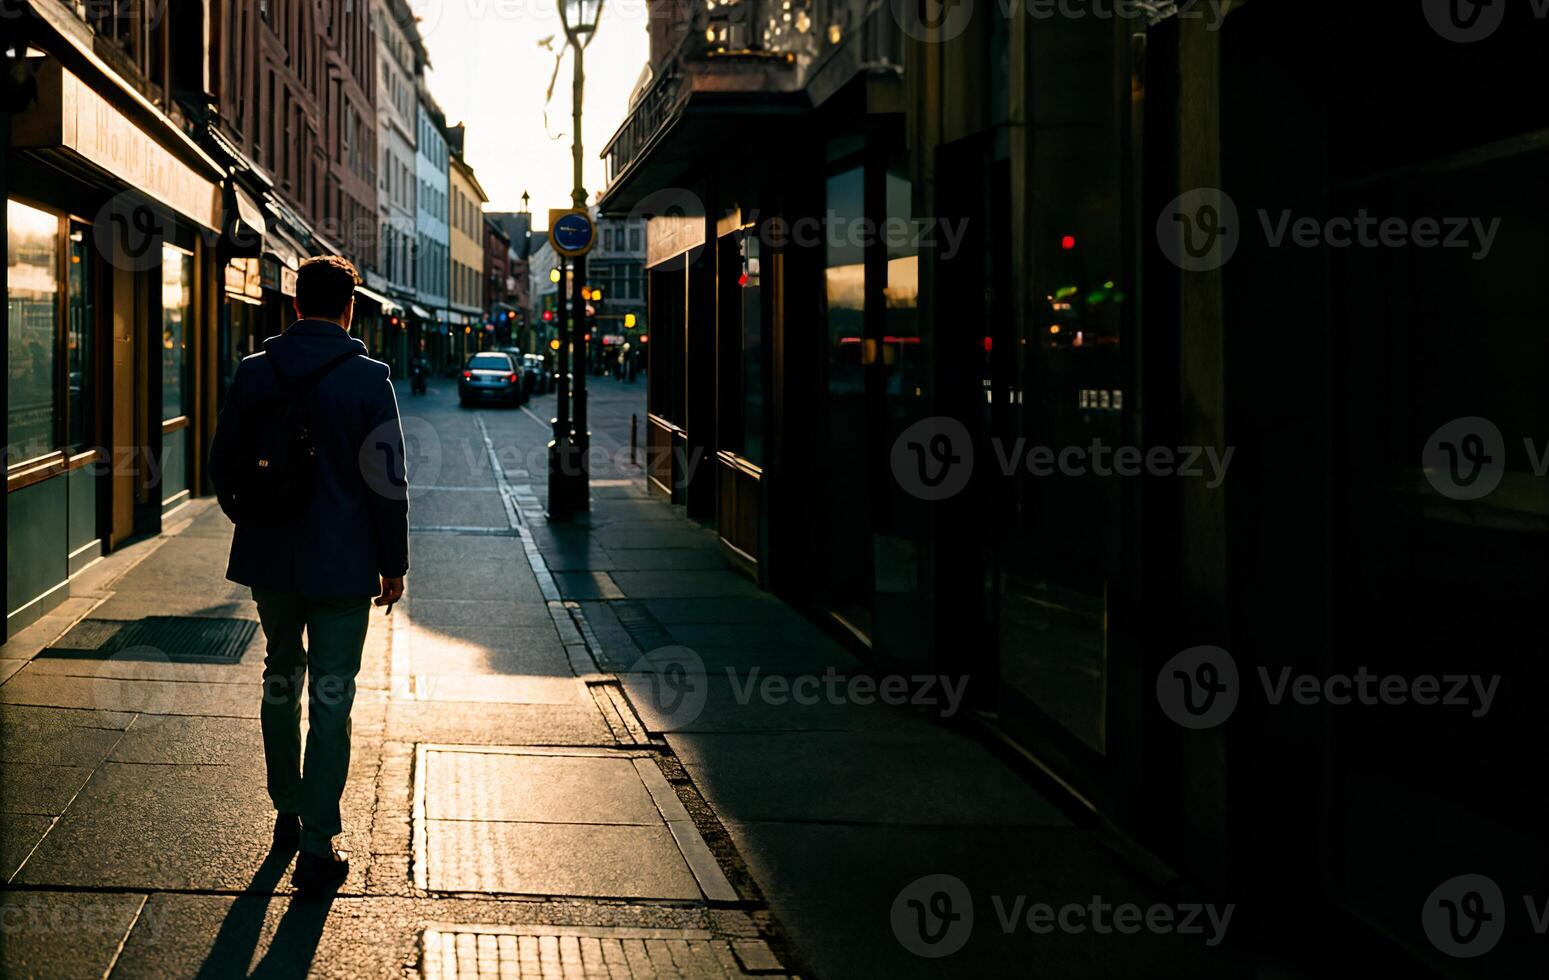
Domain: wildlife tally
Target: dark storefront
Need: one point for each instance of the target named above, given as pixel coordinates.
(1038, 301)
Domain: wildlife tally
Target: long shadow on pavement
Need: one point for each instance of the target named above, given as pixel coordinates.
(296, 937)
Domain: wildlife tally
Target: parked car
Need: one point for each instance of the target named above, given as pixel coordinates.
(538, 370)
(490, 376)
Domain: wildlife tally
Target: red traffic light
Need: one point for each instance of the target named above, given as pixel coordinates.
(1068, 243)
(548, 316)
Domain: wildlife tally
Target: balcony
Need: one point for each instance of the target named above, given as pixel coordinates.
(742, 57)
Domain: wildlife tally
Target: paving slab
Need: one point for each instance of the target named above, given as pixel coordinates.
(161, 827)
(705, 698)
(63, 934)
(467, 509)
(154, 697)
(470, 785)
(587, 860)
(839, 910)
(19, 834)
(446, 614)
(854, 776)
(684, 584)
(522, 650)
(30, 788)
(504, 690)
(514, 724)
(194, 741)
(56, 736)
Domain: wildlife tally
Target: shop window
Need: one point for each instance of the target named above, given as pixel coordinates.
(32, 331)
(177, 276)
(847, 590)
(752, 352)
(81, 310)
(1064, 556)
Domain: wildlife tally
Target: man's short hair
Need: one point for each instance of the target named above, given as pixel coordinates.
(324, 285)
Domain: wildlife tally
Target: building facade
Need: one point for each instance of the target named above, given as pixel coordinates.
(114, 224)
(465, 219)
(432, 263)
(400, 63)
(517, 226)
(1043, 175)
(616, 267)
(499, 286)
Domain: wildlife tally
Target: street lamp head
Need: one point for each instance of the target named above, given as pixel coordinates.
(580, 16)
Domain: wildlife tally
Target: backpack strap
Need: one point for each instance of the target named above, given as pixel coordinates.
(304, 383)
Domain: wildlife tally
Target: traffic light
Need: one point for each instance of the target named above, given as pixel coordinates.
(548, 316)
(629, 321)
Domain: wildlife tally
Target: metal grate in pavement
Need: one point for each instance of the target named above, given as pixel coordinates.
(457, 952)
(181, 639)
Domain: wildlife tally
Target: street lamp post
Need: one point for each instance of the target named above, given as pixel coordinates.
(580, 19)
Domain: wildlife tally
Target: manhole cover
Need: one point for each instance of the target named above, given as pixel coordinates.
(180, 639)
(451, 951)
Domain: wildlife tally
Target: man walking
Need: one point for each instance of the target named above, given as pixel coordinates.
(308, 461)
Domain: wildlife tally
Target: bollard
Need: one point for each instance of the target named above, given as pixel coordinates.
(634, 424)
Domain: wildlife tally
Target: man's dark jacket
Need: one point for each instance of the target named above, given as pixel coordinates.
(356, 527)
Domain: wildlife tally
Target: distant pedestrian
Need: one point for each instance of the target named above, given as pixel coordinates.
(308, 461)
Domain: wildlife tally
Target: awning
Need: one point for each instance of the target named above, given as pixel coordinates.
(287, 250)
(245, 224)
(419, 311)
(387, 305)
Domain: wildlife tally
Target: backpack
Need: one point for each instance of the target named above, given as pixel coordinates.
(276, 460)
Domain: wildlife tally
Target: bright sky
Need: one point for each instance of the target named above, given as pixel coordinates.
(488, 71)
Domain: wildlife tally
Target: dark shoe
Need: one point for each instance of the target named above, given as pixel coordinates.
(316, 873)
(287, 831)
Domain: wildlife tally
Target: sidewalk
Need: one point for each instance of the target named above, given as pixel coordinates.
(838, 805)
(578, 751)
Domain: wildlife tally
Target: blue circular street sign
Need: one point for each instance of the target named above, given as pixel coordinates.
(572, 233)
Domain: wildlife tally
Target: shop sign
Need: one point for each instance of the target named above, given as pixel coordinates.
(68, 113)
